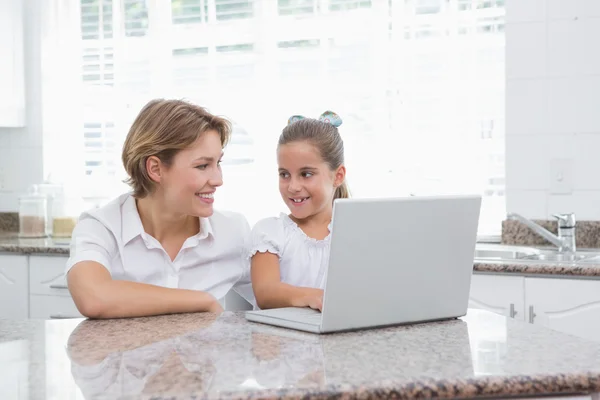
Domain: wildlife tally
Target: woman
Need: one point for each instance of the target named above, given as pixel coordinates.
(162, 248)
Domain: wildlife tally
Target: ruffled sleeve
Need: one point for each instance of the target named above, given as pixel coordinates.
(267, 237)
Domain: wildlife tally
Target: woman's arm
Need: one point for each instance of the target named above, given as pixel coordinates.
(97, 295)
(270, 292)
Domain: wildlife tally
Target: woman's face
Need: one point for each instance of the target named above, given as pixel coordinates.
(189, 183)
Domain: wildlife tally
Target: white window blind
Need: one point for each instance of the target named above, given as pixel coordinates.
(419, 84)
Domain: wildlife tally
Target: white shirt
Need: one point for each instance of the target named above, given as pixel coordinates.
(302, 259)
(212, 261)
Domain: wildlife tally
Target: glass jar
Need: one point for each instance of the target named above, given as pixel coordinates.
(33, 215)
(51, 191)
(65, 214)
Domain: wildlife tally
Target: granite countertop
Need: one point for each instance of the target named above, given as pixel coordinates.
(204, 356)
(11, 243)
(573, 269)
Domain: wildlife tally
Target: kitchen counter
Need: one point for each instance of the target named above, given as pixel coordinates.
(575, 270)
(10, 243)
(205, 356)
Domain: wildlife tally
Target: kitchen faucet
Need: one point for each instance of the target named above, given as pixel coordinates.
(565, 241)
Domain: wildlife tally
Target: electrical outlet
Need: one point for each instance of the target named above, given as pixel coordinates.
(561, 176)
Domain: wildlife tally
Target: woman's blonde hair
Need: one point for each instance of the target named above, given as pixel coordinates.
(326, 138)
(162, 129)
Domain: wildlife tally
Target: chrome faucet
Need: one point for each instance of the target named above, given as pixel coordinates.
(565, 241)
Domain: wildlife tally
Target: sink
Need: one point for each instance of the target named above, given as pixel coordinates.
(503, 252)
(499, 252)
(557, 257)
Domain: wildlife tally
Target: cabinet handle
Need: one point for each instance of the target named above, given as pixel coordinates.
(532, 315)
(512, 312)
(58, 286)
(59, 316)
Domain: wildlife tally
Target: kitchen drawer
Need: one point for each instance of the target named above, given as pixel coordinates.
(46, 275)
(52, 307)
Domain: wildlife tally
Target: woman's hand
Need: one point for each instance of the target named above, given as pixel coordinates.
(215, 307)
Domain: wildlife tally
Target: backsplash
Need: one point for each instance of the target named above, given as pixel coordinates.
(9, 222)
(513, 232)
(587, 234)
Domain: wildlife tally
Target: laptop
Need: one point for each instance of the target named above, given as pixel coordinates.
(392, 261)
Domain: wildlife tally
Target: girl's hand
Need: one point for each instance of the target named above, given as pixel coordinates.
(314, 299)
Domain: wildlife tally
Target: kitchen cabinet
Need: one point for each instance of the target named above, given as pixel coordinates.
(14, 364)
(34, 286)
(49, 297)
(503, 295)
(567, 305)
(14, 281)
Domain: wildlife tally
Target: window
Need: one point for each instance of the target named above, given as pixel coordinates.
(418, 83)
(296, 7)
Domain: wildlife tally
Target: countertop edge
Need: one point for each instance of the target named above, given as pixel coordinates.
(576, 270)
(484, 387)
(21, 249)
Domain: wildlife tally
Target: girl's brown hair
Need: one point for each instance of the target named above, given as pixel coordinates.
(162, 129)
(326, 138)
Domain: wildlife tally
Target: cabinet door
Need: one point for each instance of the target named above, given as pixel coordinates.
(14, 364)
(52, 307)
(499, 294)
(47, 275)
(14, 296)
(570, 306)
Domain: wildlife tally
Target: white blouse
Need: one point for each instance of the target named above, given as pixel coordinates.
(302, 260)
(212, 260)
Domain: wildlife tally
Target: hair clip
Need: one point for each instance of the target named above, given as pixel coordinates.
(329, 117)
(294, 118)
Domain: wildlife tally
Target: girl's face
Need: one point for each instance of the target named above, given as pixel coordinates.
(189, 183)
(306, 183)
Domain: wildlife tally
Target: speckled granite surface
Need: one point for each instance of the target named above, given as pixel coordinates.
(204, 356)
(513, 232)
(9, 222)
(11, 243)
(575, 270)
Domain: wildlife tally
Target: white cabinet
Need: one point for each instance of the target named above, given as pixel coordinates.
(12, 66)
(14, 282)
(570, 306)
(49, 295)
(52, 307)
(567, 305)
(503, 295)
(14, 364)
(48, 275)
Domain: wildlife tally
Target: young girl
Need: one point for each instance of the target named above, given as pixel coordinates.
(289, 253)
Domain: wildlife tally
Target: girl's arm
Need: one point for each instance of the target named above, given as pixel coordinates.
(270, 292)
(97, 295)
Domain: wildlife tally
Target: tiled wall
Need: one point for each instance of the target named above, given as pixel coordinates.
(21, 157)
(553, 107)
(553, 111)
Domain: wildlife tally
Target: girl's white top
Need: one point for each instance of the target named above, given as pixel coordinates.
(302, 259)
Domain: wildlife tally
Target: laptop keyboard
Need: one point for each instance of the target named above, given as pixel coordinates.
(306, 315)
